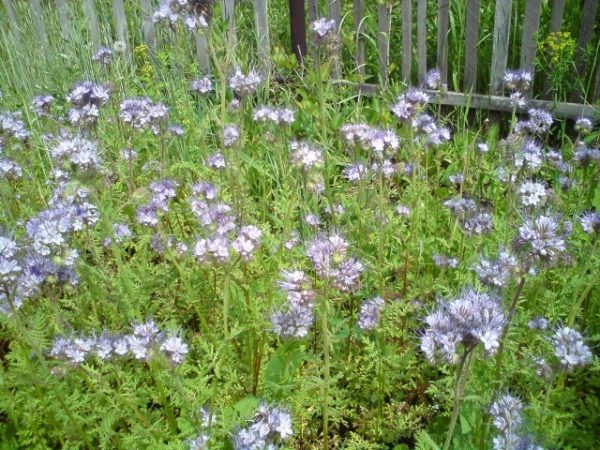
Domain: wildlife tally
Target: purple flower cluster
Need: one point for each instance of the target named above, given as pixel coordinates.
(296, 318)
(142, 344)
(224, 235)
(370, 313)
(433, 80)
(231, 135)
(539, 122)
(540, 240)
(507, 418)
(76, 151)
(570, 348)
(270, 426)
(584, 125)
(103, 56)
(329, 255)
(498, 272)
(163, 192)
(410, 104)
(12, 126)
(590, 222)
(245, 84)
(86, 98)
(532, 193)
(473, 219)
(445, 261)
(184, 11)
(41, 104)
(202, 85)
(143, 114)
(428, 131)
(278, 116)
(10, 170)
(518, 83)
(305, 156)
(381, 143)
(472, 318)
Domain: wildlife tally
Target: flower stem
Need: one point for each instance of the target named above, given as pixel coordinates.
(511, 314)
(462, 375)
(326, 368)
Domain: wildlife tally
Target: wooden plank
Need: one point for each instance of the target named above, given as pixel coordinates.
(89, 9)
(312, 10)
(558, 11)
(563, 110)
(120, 20)
(586, 32)
(147, 25)
(229, 16)
(262, 33)
(12, 17)
(406, 40)
(335, 12)
(596, 94)
(422, 38)
(298, 28)
(442, 39)
(358, 10)
(62, 10)
(383, 41)
(500, 45)
(531, 24)
(202, 53)
(37, 16)
(471, 43)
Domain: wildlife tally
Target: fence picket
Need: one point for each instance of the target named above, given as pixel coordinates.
(406, 40)
(262, 33)
(62, 10)
(312, 10)
(558, 11)
(586, 32)
(442, 38)
(10, 12)
(358, 9)
(229, 16)
(120, 20)
(500, 45)
(471, 41)
(531, 26)
(147, 24)
(37, 17)
(383, 40)
(422, 38)
(202, 53)
(89, 9)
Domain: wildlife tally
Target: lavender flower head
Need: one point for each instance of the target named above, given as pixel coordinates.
(470, 319)
(41, 104)
(86, 98)
(370, 313)
(590, 222)
(297, 317)
(433, 80)
(202, 85)
(325, 32)
(496, 273)
(243, 84)
(329, 255)
(570, 348)
(410, 104)
(103, 56)
(231, 134)
(584, 125)
(507, 418)
(270, 426)
(540, 240)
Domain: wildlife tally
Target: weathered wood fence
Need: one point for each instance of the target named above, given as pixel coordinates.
(471, 94)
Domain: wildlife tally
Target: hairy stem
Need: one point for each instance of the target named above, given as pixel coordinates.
(326, 368)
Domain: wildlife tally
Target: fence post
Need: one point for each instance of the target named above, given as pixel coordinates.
(262, 32)
(335, 13)
(14, 23)
(586, 33)
(298, 28)
(147, 25)
(89, 9)
(442, 39)
(406, 40)
(37, 16)
(229, 16)
(120, 20)
(500, 46)
(358, 9)
(528, 41)
(62, 10)
(558, 11)
(202, 52)
(383, 40)
(471, 41)
(422, 39)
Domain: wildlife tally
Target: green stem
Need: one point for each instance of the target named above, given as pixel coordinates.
(326, 368)
(588, 288)
(462, 375)
(226, 303)
(511, 314)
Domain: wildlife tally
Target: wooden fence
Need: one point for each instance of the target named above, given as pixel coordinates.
(488, 97)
